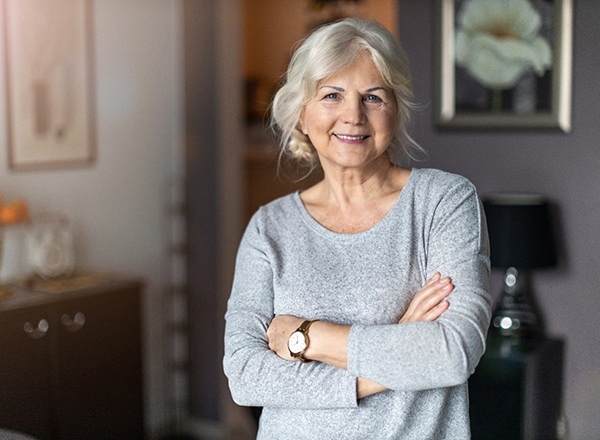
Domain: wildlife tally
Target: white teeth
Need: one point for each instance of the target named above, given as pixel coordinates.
(350, 138)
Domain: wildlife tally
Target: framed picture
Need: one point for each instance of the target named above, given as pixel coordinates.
(504, 64)
(49, 83)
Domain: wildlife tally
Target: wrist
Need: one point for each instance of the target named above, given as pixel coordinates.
(328, 343)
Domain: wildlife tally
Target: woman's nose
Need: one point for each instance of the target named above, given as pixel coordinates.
(354, 111)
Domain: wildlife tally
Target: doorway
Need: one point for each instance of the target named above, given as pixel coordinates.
(271, 29)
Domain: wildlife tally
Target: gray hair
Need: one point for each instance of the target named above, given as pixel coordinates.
(326, 52)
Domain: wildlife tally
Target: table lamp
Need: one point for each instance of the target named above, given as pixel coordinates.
(521, 239)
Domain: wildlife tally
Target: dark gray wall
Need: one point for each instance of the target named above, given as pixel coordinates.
(565, 167)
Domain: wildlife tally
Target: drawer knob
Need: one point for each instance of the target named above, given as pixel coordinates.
(36, 332)
(75, 323)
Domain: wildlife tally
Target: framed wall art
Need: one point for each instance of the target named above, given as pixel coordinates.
(49, 83)
(504, 64)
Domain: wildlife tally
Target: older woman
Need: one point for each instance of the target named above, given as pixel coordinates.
(343, 321)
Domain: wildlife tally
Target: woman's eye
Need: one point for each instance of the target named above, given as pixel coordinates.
(373, 98)
(331, 96)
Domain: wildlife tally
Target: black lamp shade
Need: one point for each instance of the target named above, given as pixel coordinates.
(520, 231)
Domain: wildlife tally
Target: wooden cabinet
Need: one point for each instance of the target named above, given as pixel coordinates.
(70, 363)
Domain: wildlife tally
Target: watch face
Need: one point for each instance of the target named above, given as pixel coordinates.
(297, 342)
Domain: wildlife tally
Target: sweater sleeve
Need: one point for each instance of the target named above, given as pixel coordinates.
(256, 375)
(426, 355)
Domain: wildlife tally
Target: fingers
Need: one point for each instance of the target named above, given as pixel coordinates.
(437, 311)
(433, 291)
(431, 295)
(436, 277)
(429, 303)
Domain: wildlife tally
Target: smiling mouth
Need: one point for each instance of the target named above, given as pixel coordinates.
(345, 137)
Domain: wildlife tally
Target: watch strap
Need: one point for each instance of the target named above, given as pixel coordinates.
(305, 326)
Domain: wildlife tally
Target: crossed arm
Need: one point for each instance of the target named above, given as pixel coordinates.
(329, 341)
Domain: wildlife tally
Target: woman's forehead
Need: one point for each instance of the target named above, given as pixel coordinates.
(362, 71)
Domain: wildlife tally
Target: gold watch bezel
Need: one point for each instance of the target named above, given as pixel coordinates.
(303, 329)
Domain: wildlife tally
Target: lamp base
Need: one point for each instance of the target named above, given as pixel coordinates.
(515, 314)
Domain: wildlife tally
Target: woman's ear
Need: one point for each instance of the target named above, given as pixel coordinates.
(300, 125)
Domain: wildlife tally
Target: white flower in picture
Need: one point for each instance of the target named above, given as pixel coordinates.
(498, 41)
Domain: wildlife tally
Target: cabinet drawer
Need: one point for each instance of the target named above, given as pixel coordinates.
(72, 364)
(26, 359)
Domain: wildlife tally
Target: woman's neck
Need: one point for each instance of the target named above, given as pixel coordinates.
(345, 188)
(349, 203)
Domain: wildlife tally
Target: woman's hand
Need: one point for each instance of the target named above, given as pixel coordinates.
(429, 302)
(278, 333)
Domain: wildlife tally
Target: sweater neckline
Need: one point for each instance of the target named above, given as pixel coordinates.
(319, 228)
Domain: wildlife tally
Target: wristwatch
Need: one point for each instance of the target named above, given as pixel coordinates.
(299, 342)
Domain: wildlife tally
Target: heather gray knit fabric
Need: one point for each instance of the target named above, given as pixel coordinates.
(290, 264)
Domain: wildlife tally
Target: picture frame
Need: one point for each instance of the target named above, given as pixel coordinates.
(49, 83)
(476, 90)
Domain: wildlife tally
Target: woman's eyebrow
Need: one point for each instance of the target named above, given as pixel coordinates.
(341, 89)
(374, 89)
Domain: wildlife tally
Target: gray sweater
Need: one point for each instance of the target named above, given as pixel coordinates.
(289, 264)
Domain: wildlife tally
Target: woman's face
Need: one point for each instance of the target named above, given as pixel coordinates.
(352, 119)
